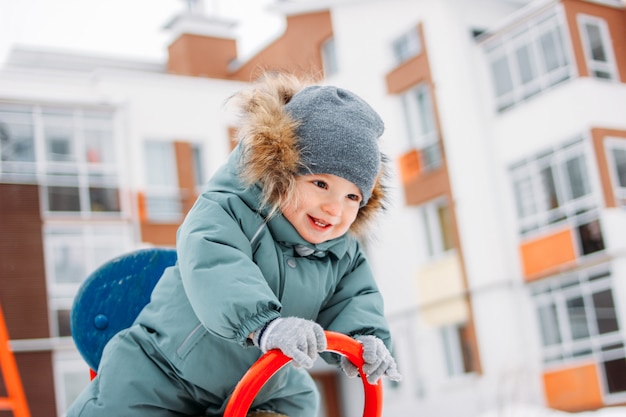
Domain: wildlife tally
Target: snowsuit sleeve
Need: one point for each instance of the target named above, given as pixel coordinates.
(225, 288)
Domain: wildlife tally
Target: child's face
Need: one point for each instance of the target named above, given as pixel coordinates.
(325, 207)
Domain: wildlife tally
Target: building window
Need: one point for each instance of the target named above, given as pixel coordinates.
(616, 156)
(198, 167)
(456, 349)
(529, 59)
(438, 231)
(71, 254)
(329, 58)
(554, 187)
(71, 376)
(73, 149)
(17, 144)
(421, 125)
(598, 47)
(163, 200)
(407, 46)
(578, 319)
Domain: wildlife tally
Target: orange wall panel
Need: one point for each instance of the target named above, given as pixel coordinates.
(573, 389)
(546, 253)
(159, 234)
(298, 50)
(616, 21)
(185, 170)
(409, 166)
(425, 187)
(201, 56)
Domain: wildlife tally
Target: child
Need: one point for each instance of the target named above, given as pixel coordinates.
(267, 258)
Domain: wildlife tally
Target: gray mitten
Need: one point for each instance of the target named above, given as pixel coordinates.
(377, 361)
(297, 338)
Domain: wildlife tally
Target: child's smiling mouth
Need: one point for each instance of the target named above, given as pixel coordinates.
(319, 223)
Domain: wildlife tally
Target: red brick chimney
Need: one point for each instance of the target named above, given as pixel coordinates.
(203, 45)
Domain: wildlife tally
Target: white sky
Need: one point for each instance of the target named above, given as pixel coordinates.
(124, 28)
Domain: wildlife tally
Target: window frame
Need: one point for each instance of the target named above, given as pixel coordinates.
(68, 363)
(330, 61)
(438, 237)
(162, 195)
(454, 346)
(550, 25)
(407, 45)
(82, 187)
(612, 144)
(569, 350)
(93, 241)
(594, 66)
(421, 125)
(573, 211)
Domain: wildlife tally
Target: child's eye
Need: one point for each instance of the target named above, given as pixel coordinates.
(320, 183)
(354, 197)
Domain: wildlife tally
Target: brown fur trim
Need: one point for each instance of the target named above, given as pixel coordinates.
(375, 205)
(270, 155)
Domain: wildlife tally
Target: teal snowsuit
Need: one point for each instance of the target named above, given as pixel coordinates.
(189, 347)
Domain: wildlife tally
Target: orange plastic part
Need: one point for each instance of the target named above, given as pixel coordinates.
(271, 362)
(16, 400)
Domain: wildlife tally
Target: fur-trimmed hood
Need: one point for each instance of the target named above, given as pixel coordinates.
(269, 151)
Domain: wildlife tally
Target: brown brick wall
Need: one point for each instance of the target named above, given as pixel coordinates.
(23, 291)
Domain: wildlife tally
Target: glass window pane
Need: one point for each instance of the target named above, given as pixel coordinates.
(99, 147)
(104, 199)
(552, 50)
(429, 233)
(58, 125)
(549, 188)
(577, 175)
(445, 222)
(407, 46)
(591, 238)
(69, 264)
(605, 312)
(420, 119)
(525, 64)
(424, 106)
(524, 197)
(577, 318)
(502, 76)
(596, 46)
(160, 164)
(603, 74)
(619, 157)
(63, 322)
(17, 138)
(74, 383)
(198, 165)
(614, 370)
(431, 157)
(329, 58)
(63, 198)
(549, 322)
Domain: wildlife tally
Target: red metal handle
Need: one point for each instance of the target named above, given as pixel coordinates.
(271, 362)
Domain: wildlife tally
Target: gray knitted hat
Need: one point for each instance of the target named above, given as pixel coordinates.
(338, 134)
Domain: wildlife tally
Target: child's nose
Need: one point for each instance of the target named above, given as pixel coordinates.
(332, 206)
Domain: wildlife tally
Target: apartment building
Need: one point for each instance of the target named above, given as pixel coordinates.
(500, 257)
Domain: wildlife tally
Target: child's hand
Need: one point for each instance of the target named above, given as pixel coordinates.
(378, 361)
(297, 338)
